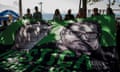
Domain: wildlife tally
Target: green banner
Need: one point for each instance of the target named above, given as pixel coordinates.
(7, 37)
(107, 23)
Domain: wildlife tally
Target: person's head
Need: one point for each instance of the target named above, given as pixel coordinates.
(57, 12)
(110, 11)
(95, 10)
(69, 11)
(28, 10)
(36, 8)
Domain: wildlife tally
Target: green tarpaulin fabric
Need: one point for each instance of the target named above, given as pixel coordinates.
(54, 32)
(108, 29)
(108, 26)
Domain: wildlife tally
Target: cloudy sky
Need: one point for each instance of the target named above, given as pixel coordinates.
(50, 5)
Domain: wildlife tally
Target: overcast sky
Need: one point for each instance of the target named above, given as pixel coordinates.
(50, 5)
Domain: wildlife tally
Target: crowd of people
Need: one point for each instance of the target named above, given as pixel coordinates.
(37, 15)
(69, 16)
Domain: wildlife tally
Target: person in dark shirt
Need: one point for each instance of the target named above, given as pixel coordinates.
(95, 12)
(37, 15)
(69, 15)
(28, 15)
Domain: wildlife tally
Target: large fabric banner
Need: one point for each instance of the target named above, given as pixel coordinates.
(107, 23)
(66, 46)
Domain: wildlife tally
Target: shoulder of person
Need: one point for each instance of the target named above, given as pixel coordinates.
(39, 12)
(34, 13)
(99, 13)
(30, 14)
(92, 15)
(25, 14)
(72, 15)
(66, 15)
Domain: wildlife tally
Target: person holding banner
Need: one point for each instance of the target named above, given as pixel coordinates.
(28, 15)
(37, 15)
(69, 16)
(110, 11)
(57, 16)
(95, 12)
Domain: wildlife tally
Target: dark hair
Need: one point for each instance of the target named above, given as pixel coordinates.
(95, 9)
(110, 11)
(28, 10)
(36, 7)
(69, 11)
(57, 12)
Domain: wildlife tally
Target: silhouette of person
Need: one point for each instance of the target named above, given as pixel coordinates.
(57, 16)
(81, 13)
(110, 11)
(5, 23)
(69, 15)
(95, 12)
(37, 15)
(28, 15)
